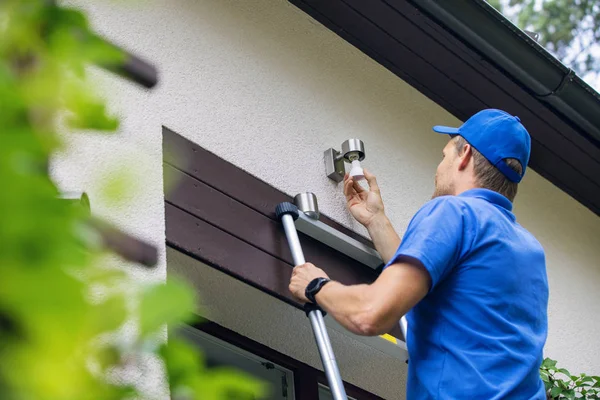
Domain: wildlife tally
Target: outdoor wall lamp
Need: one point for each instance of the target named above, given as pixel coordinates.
(353, 152)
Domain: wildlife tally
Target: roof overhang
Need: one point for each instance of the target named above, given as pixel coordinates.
(466, 56)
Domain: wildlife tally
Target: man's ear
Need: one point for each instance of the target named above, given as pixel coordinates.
(465, 156)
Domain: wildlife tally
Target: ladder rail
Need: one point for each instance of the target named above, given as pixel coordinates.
(287, 213)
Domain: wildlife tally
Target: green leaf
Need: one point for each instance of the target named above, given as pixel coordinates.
(562, 384)
(110, 314)
(556, 391)
(564, 371)
(547, 363)
(232, 384)
(544, 376)
(56, 301)
(108, 357)
(181, 362)
(163, 304)
(187, 374)
(586, 379)
(86, 111)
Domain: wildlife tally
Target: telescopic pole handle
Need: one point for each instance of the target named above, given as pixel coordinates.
(404, 329)
(287, 213)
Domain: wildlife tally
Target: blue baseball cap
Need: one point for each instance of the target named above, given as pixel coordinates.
(497, 135)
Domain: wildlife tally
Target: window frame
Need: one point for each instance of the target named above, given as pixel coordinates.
(306, 378)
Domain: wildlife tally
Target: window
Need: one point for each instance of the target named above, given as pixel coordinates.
(289, 379)
(220, 353)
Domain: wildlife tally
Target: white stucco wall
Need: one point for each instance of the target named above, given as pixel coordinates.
(264, 86)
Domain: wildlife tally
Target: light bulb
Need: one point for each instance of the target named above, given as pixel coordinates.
(357, 172)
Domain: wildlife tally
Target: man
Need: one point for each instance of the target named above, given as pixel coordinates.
(473, 279)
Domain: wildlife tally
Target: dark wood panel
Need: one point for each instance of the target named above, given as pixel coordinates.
(228, 214)
(306, 378)
(220, 174)
(204, 242)
(244, 223)
(231, 180)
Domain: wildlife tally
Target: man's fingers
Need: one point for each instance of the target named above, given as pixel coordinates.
(357, 187)
(371, 180)
(349, 189)
(298, 268)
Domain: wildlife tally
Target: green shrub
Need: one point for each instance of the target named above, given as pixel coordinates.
(560, 384)
(61, 302)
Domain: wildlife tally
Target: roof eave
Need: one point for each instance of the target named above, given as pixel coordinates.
(486, 30)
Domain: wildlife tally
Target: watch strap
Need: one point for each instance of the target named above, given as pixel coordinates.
(309, 307)
(314, 287)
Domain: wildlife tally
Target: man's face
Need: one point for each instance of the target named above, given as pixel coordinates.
(444, 176)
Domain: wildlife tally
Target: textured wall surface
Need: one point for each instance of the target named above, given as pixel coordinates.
(262, 85)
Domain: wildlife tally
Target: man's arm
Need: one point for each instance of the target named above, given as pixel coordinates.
(384, 237)
(368, 310)
(367, 208)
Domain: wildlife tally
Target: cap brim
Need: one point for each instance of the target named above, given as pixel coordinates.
(447, 130)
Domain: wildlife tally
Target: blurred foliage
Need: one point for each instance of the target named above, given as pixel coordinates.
(570, 29)
(62, 309)
(560, 384)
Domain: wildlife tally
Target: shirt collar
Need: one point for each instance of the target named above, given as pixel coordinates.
(489, 195)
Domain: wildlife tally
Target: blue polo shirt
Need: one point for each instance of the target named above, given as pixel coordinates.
(480, 331)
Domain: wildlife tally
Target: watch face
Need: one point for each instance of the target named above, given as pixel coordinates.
(313, 284)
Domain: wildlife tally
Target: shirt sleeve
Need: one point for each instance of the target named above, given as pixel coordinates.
(434, 237)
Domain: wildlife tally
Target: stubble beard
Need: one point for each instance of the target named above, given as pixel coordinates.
(442, 190)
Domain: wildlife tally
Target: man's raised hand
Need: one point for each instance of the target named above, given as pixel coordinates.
(363, 204)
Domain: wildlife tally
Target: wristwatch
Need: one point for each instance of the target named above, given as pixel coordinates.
(313, 288)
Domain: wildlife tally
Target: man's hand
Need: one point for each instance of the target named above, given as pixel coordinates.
(301, 277)
(364, 205)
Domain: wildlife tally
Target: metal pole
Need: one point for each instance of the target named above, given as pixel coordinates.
(292, 237)
(286, 212)
(327, 357)
(404, 329)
